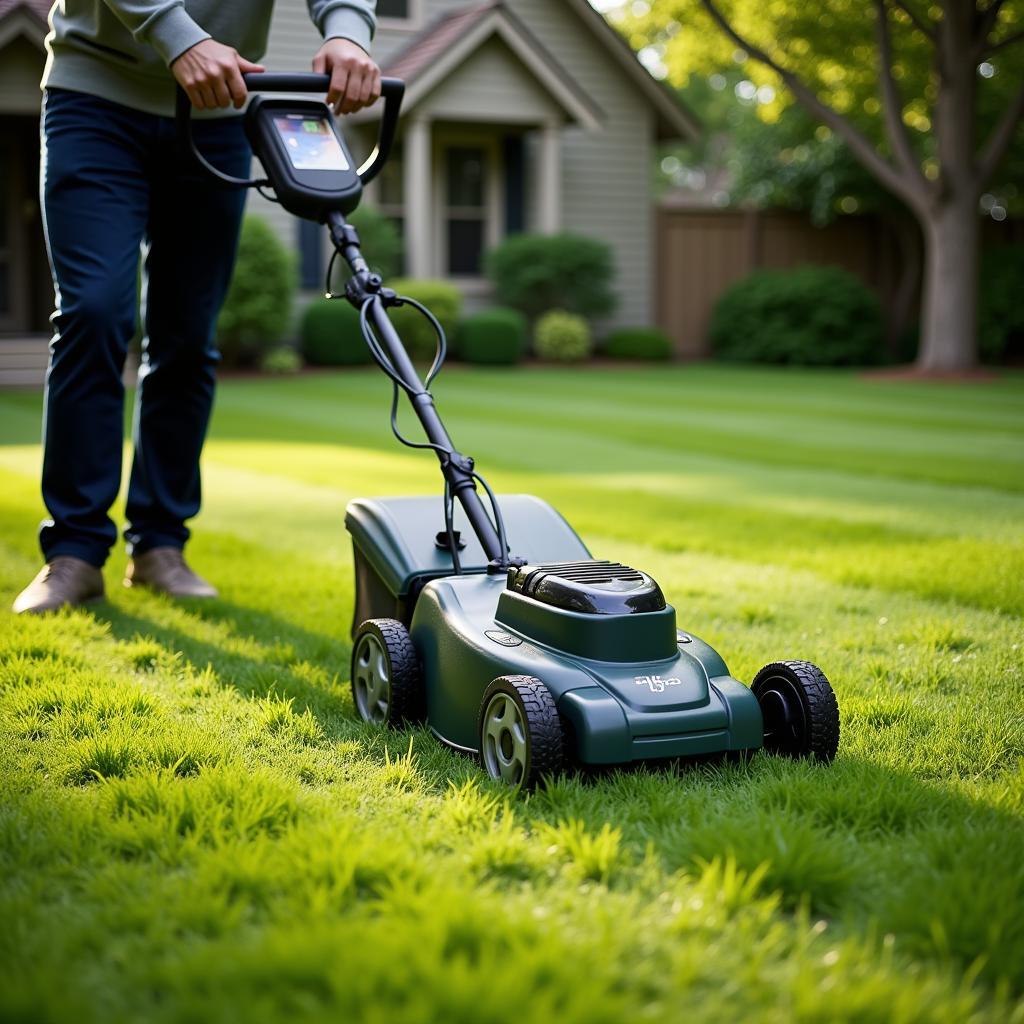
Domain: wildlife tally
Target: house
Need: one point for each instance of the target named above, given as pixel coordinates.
(524, 115)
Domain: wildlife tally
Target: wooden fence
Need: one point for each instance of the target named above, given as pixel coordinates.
(701, 252)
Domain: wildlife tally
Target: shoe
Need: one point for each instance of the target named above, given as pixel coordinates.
(64, 580)
(165, 571)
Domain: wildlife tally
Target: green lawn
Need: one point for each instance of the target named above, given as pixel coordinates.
(195, 827)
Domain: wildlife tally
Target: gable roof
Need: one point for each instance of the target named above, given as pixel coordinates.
(674, 120)
(430, 55)
(437, 51)
(27, 18)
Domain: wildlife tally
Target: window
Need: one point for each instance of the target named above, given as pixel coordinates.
(397, 9)
(466, 209)
(391, 194)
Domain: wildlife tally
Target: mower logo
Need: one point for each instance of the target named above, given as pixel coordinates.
(656, 683)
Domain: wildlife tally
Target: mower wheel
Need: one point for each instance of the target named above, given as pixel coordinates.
(521, 735)
(387, 686)
(801, 715)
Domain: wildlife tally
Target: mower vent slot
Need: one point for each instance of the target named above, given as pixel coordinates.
(593, 586)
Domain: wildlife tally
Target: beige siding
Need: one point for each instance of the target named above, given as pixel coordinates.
(21, 66)
(492, 87)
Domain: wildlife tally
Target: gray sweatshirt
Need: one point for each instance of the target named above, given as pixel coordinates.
(120, 50)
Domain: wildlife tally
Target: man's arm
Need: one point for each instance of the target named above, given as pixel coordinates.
(347, 27)
(208, 71)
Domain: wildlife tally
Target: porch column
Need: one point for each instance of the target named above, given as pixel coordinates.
(550, 178)
(417, 188)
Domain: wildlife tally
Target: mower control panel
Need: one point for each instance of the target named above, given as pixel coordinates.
(304, 155)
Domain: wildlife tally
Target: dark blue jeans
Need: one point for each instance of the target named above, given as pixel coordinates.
(112, 181)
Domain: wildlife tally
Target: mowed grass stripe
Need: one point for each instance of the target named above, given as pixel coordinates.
(194, 824)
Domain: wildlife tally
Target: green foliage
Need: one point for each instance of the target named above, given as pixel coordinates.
(195, 826)
(331, 336)
(442, 299)
(381, 243)
(649, 343)
(258, 309)
(281, 360)
(493, 336)
(562, 337)
(536, 273)
(1001, 304)
(810, 316)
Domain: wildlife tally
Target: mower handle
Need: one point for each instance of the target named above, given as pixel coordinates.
(391, 90)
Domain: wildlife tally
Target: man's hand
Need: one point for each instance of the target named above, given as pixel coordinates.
(355, 78)
(211, 74)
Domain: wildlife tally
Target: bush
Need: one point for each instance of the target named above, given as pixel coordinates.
(258, 309)
(496, 336)
(380, 241)
(441, 298)
(535, 273)
(810, 316)
(1000, 310)
(638, 343)
(562, 337)
(281, 360)
(331, 336)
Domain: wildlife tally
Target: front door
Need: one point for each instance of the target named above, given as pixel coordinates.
(14, 261)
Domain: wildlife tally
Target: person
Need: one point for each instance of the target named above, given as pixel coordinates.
(113, 181)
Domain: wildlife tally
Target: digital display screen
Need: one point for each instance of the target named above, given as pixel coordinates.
(310, 143)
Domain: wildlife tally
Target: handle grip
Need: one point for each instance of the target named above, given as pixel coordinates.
(391, 89)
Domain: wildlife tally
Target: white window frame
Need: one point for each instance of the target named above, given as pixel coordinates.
(444, 139)
(413, 23)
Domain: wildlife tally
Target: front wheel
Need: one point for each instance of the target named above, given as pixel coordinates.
(386, 683)
(521, 735)
(799, 708)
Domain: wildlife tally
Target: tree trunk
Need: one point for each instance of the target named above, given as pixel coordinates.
(950, 300)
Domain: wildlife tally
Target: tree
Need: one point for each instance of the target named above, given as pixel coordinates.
(921, 80)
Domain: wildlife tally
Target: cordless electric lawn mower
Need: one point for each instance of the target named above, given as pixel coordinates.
(532, 655)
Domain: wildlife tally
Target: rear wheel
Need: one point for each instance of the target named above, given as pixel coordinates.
(799, 708)
(386, 683)
(521, 736)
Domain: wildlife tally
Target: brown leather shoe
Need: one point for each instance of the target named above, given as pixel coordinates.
(64, 580)
(164, 570)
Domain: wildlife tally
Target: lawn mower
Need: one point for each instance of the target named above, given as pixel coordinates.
(492, 622)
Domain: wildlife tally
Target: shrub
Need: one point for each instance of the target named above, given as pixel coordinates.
(535, 273)
(258, 308)
(380, 241)
(331, 336)
(281, 360)
(1000, 310)
(810, 316)
(638, 343)
(562, 337)
(496, 336)
(441, 298)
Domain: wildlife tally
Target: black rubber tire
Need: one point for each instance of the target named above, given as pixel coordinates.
(801, 714)
(545, 734)
(407, 704)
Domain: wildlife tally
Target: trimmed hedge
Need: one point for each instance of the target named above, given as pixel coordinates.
(331, 336)
(281, 361)
(380, 240)
(1000, 309)
(496, 336)
(441, 298)
(810, 316)
(258, 308)
(562, 337)
(535, 273)
(638, 343)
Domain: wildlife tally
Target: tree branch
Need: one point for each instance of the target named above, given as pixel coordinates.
(860, 145)
(999, 140)
(985, 22)
(1002, 44)
(892, 101)
(919, 23)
